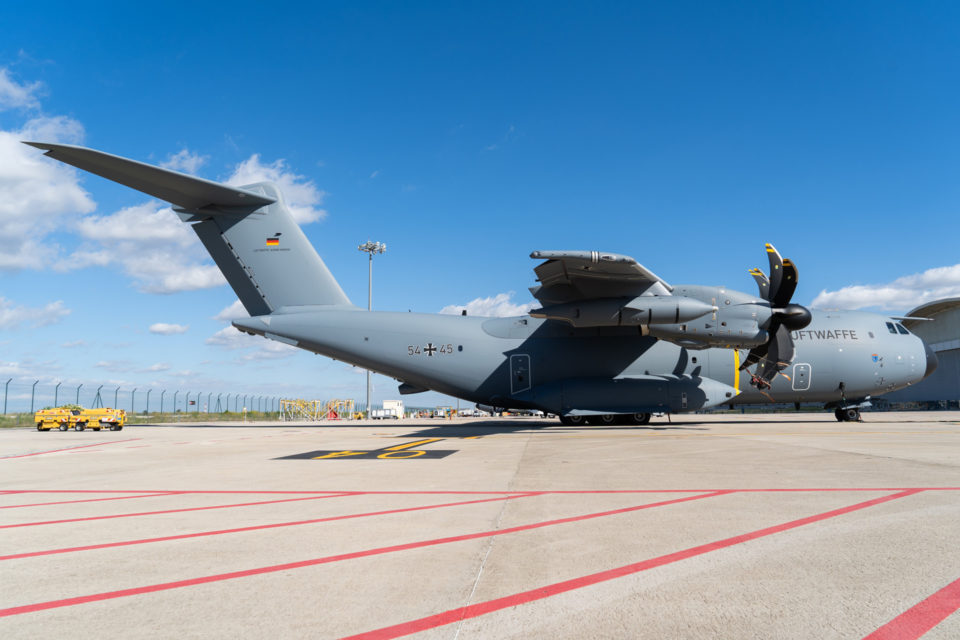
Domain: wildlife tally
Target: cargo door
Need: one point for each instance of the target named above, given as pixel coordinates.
(519, 373)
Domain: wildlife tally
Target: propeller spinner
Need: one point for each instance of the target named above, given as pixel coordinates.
(785, 317)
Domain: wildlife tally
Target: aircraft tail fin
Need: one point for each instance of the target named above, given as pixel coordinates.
(248, 231)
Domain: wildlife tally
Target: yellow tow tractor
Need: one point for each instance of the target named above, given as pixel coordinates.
(63, 418)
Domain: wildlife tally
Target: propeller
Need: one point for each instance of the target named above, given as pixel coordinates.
(785, 317)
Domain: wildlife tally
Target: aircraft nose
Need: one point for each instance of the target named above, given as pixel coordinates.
(932, 361)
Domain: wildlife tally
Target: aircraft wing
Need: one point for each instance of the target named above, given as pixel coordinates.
(569, 276)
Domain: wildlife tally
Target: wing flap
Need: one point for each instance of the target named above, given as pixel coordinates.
(569, 276)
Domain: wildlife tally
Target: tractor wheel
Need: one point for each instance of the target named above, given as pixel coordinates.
(63, 426)
(80, 426)
(40, 426)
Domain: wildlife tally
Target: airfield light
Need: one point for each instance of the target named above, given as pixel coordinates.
(370, 248)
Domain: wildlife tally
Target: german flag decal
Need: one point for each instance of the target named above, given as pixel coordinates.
(274, 241)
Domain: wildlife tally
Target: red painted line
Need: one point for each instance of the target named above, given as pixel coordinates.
(164, 586)
(40, 453)
(42, 504)
(152, 513)
(456, 493)
(524, 597)
(922, 617)
(257, 527)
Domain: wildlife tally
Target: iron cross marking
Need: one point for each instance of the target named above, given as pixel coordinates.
(429, 349)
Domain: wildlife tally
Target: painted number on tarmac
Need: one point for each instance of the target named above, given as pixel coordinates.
(397, 452)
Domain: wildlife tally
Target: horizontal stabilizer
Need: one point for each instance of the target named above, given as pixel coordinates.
(186, 192)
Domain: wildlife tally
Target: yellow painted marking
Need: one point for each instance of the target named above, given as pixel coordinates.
(400, 455)
(341, 454)
(471, 437)
(736, 370)
(415, 443)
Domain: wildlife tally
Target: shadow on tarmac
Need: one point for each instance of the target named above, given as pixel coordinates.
(487, 427)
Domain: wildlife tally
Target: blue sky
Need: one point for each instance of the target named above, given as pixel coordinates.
(465, 135)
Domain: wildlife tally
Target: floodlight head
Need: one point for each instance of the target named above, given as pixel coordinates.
(373, 247)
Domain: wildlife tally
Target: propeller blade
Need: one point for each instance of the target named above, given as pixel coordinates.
(788, 285)
(779, 356)
(763, 284)
(776, 270)
(756, 354)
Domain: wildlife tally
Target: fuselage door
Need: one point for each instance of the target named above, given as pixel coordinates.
(801, 376)
(519, 373)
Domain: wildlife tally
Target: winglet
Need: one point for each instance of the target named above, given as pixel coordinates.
(187, 192)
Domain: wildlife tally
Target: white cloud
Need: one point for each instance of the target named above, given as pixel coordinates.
(301, 196)
(500, 305)
(234, 312)
(160, 366)
(12, 317)
(14, 95)
(901, 294)
(374, 174)
(74, 344)
(232, 339)
(36, 193)
(151, 244)
(271, 350)
(509, 136)
(185, 160)
(164, 329)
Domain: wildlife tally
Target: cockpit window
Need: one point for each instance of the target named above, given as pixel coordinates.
(902, 329)
(891, 329)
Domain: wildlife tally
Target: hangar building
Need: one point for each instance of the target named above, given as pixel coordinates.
(942, 333)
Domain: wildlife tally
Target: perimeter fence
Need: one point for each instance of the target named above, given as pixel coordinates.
(22, 396)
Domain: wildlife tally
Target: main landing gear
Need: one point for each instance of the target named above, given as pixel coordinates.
(847, 415)
(607, 419)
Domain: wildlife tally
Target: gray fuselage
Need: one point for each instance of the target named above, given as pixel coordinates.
(524, 362)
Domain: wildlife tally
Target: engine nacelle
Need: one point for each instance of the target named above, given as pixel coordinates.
(626, 312)
(741, 326)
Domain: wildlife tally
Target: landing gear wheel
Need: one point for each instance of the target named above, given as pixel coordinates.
(852, 415)
(63, 427)
(572, 421)
(604, 420)
(639, 418)
(838, 414)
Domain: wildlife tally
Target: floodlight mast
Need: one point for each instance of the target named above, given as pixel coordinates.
(370, 248)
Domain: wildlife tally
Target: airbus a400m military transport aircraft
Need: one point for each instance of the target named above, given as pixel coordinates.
(612, 341)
